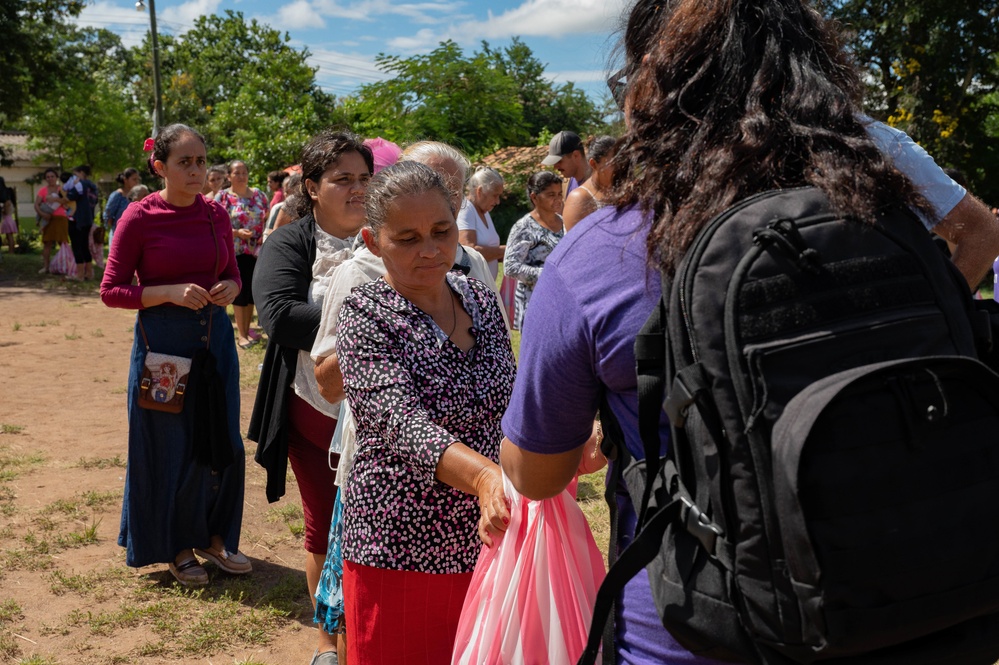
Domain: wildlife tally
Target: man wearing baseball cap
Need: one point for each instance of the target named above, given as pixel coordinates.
(566, 154)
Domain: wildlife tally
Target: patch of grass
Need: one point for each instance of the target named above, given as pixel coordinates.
(11, 429)
(120, 391)
(291, 515)
(115, 462)
(16, 326)
(7, 497)
(95, 499)
(590, 497)
(10, 611)
(35, 659)
(227, 622)
(288, 595)
(44, 323)
(9, 648)
(72, 335)
(64, 506)
(153, 649)
(97, 333)
(35, 555)
(88, 536)
(11, 465)
(98, 585)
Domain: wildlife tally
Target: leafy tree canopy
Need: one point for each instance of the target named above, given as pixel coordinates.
(932, 71)
(479, 102)
(29, 51)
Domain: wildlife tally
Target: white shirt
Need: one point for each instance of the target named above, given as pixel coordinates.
(485, 231)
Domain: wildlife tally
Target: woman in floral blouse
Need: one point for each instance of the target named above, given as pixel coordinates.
(247, 208)
(428, 369)
(533, 238)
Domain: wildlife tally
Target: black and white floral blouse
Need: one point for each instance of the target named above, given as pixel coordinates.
(413, 393)
(527, 248)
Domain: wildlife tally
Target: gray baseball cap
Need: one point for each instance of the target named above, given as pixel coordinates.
(561, 145)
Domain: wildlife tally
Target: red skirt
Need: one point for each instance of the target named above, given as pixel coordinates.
(396, 616)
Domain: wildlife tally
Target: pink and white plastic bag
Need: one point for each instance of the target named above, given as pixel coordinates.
(531, 596)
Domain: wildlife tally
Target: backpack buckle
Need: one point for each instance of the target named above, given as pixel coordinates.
(688, 382)
(700, 525)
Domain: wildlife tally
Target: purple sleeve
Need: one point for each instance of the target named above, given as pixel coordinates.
(556, 394)
(117, 289)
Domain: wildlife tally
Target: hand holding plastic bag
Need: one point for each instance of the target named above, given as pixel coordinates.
(531, 597)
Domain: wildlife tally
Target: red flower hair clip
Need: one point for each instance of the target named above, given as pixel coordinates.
(148, 145)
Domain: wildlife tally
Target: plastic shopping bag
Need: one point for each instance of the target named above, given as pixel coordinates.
(63, 262)
(531, 596)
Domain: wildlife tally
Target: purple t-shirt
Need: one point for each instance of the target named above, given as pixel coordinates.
(593, 297)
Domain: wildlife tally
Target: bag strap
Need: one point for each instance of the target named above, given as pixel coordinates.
(650, 363)
(215, 238)
(632, 561)
(614, 449)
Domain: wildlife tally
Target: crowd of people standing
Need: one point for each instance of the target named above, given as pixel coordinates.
(389, 381)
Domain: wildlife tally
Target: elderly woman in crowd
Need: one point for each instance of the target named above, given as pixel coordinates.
(291, 420)
(475, 226)
(427, 367)
(247, 208)
(533, 238)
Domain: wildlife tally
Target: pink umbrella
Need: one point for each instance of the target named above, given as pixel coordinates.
(385, 152)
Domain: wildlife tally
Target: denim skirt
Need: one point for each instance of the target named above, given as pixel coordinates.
(172, 502)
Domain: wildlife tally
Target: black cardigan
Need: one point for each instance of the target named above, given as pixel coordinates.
(281, 282)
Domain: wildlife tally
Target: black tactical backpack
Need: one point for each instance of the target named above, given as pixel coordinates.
(831, 491)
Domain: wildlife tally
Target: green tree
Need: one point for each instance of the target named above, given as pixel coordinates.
(546, 106)
(242, 84)
(445, 96)
(88, 114)
(71, 132)
(30, 59)
(932, 71)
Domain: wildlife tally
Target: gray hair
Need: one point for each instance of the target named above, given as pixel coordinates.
(427, 151)
(404, 178)
(486, 178)
(137, 193)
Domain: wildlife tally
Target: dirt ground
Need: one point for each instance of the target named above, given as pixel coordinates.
(65, 594)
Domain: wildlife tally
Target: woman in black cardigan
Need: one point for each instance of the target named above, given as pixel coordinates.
(290, 418)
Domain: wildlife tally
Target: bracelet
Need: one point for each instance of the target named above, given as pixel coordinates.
(600, 440)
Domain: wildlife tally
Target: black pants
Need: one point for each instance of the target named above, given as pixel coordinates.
(79, 240)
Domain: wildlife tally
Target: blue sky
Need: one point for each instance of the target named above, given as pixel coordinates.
(573, 37)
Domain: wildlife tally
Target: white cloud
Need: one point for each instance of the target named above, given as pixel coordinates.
(424, 39)
(341, 73)
(299, 14)
(306, 13)
(578, 76)
(551, 18)
(532, 18)
(131, 26)
(187, 13)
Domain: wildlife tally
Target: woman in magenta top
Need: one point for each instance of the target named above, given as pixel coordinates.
(247, 208)
(179, 499)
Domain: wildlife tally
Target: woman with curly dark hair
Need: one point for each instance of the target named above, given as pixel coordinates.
(722, 100)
